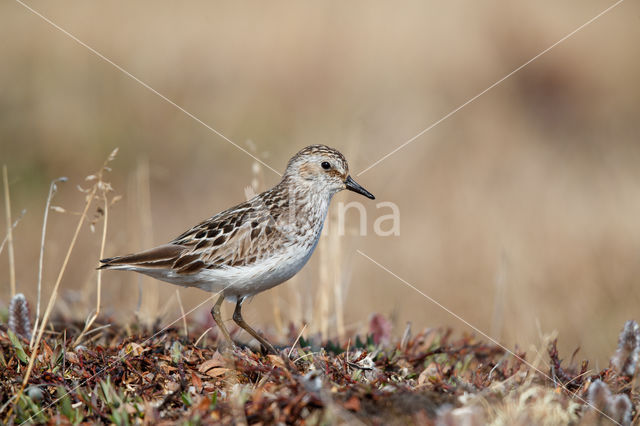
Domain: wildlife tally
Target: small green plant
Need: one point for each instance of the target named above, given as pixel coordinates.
(15, 341)
(64, 406)
(29, 410)
(114, 400)
(186, 399)
(176, 352)
(214, 401)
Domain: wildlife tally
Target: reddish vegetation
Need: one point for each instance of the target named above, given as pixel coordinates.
(432, 376)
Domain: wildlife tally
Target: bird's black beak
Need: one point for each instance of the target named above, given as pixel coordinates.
(352, 185)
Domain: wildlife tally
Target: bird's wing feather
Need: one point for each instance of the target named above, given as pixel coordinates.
(231, 238)
(158, 257)
(239, 236)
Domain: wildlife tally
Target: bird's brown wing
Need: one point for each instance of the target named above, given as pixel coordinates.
(239, 236)
(158, 257)
(235, 237)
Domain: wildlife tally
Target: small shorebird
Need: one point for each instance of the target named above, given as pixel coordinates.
(255, 245)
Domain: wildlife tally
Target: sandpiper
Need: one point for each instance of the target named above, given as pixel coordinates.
(255, 245)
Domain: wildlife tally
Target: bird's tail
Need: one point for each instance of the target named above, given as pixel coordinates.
(158, 257)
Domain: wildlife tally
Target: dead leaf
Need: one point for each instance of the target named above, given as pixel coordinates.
(195, 380)
(217, 360)
(46, 349)
(276, 360)
(72, 357)
(172, 386)
(132, 348)
(216, 372)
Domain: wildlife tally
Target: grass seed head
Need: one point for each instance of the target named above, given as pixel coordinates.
(625, 359)
(19, 316)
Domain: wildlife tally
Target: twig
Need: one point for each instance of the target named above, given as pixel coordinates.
(95, 330)
(346, 357)
(52, 190)
(296, 341)
(202, 336)
(7, 207)
(306, 355)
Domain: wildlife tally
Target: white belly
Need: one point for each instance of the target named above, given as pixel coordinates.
(241, 281)
(247, 281)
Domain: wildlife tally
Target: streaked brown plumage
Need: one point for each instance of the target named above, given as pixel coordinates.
(257, 244)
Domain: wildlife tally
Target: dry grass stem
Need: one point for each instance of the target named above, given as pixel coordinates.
(88, 201)
(435, 378)
(321, 308)
(93, 317)
(52, 190)
(7, 207)
(140, 194)
(54, 294)
(500, 289)
(15, 223)
(297, 339)
(165, 308)
(204, 333)
(182, 314)
(336, 252)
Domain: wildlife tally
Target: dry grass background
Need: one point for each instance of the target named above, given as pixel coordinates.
(520, 212)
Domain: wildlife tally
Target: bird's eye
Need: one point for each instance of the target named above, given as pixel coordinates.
(325, 165)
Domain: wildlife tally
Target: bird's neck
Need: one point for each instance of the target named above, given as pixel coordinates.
(304, 209)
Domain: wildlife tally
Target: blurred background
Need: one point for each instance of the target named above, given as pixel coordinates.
(520, 212)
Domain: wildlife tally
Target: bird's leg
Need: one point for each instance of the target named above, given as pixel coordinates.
(215, 313)
(237, 317)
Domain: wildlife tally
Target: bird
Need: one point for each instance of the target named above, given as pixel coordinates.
(255, 245)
